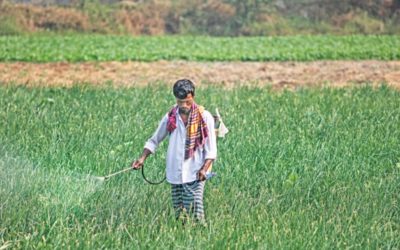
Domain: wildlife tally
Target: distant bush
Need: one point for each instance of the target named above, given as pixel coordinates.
(365, 24)
(24, 18)
(9, 26)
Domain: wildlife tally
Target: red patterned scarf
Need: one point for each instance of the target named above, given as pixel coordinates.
(196, 129)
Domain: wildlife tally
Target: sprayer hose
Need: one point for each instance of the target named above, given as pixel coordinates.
(151, 182)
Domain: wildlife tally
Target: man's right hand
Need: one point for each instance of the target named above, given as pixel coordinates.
(137, 164)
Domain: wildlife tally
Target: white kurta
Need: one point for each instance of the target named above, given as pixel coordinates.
(178, 169)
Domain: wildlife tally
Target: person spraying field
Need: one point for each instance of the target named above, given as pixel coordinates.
(191, 151)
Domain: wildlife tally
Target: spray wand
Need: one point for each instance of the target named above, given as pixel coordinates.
(104, 178)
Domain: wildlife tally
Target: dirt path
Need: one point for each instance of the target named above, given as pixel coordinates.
(278, 74)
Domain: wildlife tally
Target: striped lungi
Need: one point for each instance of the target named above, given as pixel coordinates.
(188, 197)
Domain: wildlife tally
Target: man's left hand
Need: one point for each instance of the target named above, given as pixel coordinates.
(201, 175)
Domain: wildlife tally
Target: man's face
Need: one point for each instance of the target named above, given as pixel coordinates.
(185, 104)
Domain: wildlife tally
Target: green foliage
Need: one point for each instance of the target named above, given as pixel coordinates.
(312, 169)
(101, 16)
(306, 26)
(9, 26)
(122, 48)
(364, 24)
(275, 28)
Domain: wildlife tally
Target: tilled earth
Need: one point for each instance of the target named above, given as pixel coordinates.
(230, 74)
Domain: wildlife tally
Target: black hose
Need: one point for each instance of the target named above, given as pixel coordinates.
(151, 182)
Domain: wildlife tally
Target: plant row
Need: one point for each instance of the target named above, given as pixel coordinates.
(77, 48)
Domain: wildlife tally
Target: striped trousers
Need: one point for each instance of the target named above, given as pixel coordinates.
(187, 198)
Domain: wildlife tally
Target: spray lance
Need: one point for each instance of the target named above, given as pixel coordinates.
(104, 178)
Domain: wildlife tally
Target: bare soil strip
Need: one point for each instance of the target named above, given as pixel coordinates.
(229, 74)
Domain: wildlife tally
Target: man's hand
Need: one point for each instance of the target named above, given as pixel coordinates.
(201, 175)
(137, 164)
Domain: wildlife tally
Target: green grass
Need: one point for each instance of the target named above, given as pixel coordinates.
(122, 48)
(311, 169)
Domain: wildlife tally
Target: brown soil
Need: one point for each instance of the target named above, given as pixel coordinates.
(277, 74)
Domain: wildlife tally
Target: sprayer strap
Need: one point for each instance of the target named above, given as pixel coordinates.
(150, 182)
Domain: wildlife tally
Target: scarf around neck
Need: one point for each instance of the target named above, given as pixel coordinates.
(196, 129)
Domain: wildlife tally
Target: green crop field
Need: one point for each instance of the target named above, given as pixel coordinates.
(122, 48)
(308, 169)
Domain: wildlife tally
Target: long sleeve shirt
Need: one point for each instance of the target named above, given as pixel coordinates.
(179, 170)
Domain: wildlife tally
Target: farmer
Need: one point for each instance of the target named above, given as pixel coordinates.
(192, 149)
